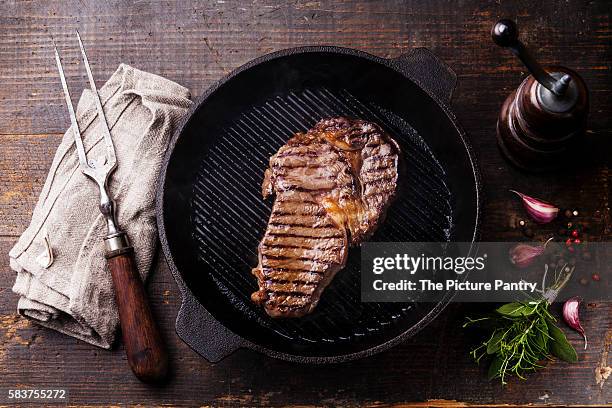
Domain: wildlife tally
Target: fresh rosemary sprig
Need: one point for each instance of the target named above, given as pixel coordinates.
(522, 335)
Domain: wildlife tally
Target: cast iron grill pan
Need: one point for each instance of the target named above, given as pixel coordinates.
(215, 214)
(229, 249)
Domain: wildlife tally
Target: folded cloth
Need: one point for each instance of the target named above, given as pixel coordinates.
(72, 292)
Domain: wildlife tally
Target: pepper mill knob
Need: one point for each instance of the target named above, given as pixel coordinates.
(541, 122)
(504, 33)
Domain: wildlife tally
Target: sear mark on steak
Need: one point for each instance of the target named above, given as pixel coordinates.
(332, 187)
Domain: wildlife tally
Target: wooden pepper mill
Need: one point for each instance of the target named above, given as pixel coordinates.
(542, 122)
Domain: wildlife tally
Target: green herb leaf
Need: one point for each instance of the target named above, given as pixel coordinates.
(560, 347)
(494, 343)
(541, 337)
(495, 367)
(515, 309)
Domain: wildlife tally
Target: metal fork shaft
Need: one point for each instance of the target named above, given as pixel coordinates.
(107, 208)
(110, 148)
(96, 172)
(78, 141)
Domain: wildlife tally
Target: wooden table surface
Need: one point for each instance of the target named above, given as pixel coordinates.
(196, 43)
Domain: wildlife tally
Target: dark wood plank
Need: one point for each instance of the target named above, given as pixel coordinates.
(24, 164)
(434, 365)
(196, 43)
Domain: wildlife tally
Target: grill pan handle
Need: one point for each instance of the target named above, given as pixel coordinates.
(429, 72)
(205, 335)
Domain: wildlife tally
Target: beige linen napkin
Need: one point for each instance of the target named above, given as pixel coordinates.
(74, 294)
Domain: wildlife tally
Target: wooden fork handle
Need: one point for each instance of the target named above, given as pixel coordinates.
(144, 347)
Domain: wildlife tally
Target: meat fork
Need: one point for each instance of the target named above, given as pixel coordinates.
(143, 345)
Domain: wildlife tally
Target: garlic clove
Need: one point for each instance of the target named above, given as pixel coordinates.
(540, 211)
(571, 316)
(523, 255)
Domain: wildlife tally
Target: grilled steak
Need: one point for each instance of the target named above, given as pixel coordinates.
(332, 185)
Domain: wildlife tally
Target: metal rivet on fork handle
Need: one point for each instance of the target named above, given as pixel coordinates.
(143, 345)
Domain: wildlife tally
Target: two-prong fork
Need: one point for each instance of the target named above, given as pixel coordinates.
(143, 345)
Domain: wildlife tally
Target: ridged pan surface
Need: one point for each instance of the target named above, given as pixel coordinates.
(217, 215)
(421, 212)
